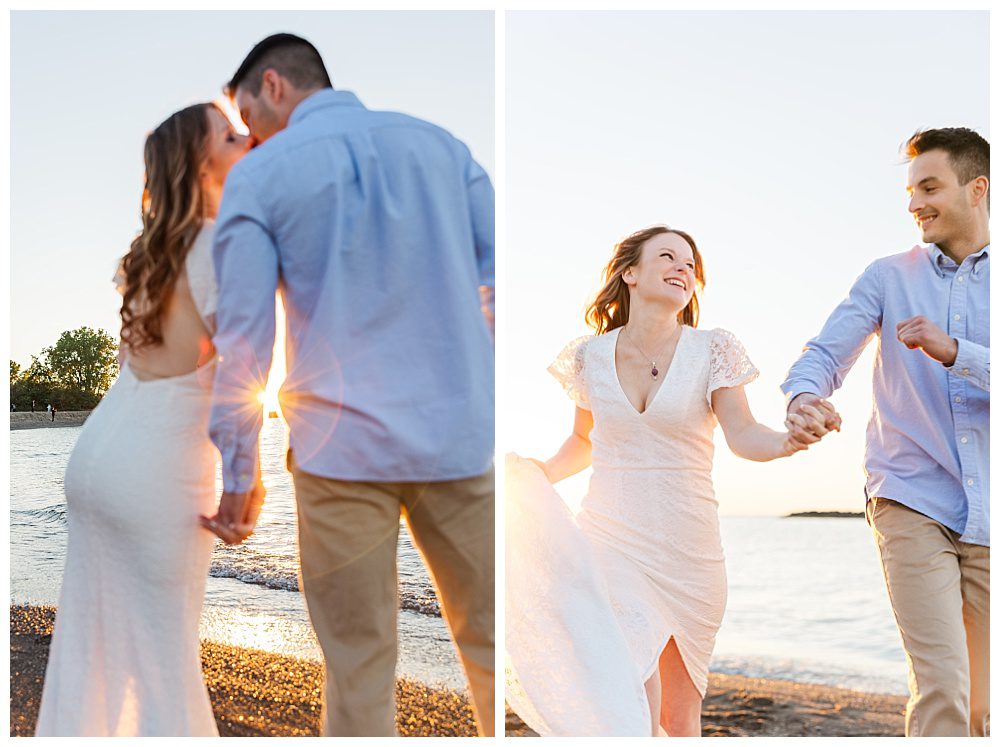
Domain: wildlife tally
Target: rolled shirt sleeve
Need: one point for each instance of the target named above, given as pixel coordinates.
(246, 266)
(827, 358)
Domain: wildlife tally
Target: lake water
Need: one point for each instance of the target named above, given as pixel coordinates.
(806, 596)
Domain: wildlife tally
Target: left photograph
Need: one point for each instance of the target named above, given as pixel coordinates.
(252, 374)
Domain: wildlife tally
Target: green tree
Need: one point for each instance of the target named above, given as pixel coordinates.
(83, 359)
(15, 372)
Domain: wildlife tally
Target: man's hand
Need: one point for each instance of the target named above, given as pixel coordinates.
(921, 332)
(810, 418)
(237, 515)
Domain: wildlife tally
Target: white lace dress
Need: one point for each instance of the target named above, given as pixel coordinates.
(125, 658)
(593, 599)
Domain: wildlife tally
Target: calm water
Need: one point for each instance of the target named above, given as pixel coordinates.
(806, 596)
(252, 598)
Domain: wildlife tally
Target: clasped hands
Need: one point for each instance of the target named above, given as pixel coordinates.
(809, 418)
(237, 514)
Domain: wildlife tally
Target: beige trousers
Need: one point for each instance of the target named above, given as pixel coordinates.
(939, 588)
(347, 543)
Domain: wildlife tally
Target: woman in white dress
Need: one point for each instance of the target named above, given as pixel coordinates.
(124, 659)
(612, 614)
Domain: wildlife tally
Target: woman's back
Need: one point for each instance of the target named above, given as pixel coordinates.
(188, 320)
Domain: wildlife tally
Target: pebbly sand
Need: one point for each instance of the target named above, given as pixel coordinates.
(743, 707)
(254, 693)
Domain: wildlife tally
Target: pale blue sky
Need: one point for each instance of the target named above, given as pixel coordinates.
(87, 87)
(773, 138)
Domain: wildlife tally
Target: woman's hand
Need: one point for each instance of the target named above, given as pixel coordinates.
(805, 427)
(541, 465)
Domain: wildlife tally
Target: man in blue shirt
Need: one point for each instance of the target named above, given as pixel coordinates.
(377, 230)
(927, 456)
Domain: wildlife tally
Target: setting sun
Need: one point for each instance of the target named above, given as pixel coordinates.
(269, 397)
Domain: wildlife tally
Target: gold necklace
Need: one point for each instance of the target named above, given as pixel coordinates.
(654, 371)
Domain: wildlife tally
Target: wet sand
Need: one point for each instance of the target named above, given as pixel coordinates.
(20, 421)
(743, 707)
(254, 693)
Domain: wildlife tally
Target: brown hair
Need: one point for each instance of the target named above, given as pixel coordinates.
(968, 151)
(172, 216)
(289, 55)
(609, 309)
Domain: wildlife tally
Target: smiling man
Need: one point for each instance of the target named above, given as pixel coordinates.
(927, 455)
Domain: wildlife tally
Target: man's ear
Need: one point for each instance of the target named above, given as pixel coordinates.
(273, 84)
(980, 189)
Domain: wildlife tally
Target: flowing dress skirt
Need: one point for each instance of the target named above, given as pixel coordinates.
(125, 658)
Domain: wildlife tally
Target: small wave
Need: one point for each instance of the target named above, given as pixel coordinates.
(280, 572)
(34, 516)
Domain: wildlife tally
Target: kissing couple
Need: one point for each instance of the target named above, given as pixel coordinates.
(376, 229)
(612, 613)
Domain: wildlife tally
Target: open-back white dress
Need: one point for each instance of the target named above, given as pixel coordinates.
(593, 599)
(125, 659)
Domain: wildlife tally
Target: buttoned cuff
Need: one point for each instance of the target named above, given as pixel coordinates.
(972, 362)
(793, 389)
(238, 474)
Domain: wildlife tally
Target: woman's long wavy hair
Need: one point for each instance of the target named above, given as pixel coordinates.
(609, 309)
(173, 211)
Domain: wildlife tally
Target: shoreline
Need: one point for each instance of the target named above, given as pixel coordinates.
(737, 706)
(253, 693)
(22, 421)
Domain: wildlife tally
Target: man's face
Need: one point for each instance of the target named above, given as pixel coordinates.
(259, 114)
(941, 206)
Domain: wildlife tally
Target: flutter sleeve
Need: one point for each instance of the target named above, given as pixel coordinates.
(730, 364)
(569, 370)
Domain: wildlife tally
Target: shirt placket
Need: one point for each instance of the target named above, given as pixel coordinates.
(958, 388)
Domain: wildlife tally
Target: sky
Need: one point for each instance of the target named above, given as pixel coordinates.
(773, 138)
(87, 87)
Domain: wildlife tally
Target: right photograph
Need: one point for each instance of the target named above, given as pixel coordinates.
(746, 409)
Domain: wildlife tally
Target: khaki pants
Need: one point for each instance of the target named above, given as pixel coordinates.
(347, 543)
(939, 588)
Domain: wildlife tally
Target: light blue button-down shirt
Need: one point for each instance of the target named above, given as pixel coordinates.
(377, 230)
(928, 440)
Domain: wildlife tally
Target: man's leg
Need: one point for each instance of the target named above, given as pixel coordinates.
(347, 542)
(975, 565)
(921, 567)
(452, 526)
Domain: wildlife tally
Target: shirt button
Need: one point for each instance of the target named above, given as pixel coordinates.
(961, 278)
(970, 483)
(957, 317)
(965, 372)
(958, 399)
(965, 440)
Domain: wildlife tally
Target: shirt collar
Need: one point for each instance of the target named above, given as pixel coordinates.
(940, 260)
(321, 99)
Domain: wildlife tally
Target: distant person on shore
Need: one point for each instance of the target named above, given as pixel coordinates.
(378, 229)
(48, 408)
(927, 456)
(32, 405)
(52, 412)
(125, 657)
(612, 614)
(13, 407)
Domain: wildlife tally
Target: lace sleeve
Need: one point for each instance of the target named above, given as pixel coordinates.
(568, 370)
(730, 365)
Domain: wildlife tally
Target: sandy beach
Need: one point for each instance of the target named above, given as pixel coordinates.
(254, 693)
(20, 421)
(744, 707)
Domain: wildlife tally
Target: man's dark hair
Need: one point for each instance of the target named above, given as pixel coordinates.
(968, 152)
(291, 56)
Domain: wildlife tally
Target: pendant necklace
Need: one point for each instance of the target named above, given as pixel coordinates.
(654, 371)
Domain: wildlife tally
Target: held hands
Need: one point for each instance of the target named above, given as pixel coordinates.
(809, 419)
(237, 514)
(921, 332)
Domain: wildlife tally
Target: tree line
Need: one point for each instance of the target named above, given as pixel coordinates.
(72, 374)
